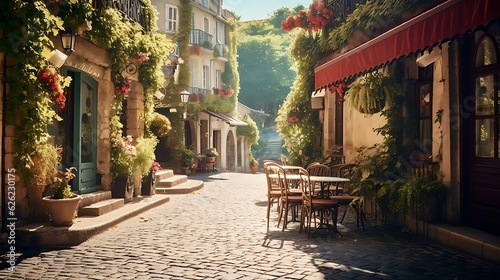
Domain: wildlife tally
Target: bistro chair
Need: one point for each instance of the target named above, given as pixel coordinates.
(319, 169)
(312, 204)
(273, 188)
(343, 194)
(289, 199)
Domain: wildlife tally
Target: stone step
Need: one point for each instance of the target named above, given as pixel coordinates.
(183, 188)
(101, 207)
(90, 198)
(164, 174)
(171, 181)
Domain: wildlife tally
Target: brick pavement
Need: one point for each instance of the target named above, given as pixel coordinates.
(219, 232)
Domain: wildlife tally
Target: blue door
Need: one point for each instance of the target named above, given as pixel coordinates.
(85, 133)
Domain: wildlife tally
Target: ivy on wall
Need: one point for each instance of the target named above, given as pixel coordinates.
(33, 26)
(296, 122)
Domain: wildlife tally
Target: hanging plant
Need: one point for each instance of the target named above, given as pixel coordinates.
(370, 93)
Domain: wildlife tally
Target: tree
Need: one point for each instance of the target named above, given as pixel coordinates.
(265, 74)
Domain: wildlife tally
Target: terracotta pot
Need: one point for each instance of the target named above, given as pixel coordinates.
(62, 211)
(254, 169)
(209, 159)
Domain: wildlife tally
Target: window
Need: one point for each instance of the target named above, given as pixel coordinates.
(194, 71)
(487, 99)
(206, 25)
(206, 77)
(424, 109)
(217, 75)
(171, 18)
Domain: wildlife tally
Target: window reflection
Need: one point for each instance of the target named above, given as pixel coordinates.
(485, 135)
(486, 53)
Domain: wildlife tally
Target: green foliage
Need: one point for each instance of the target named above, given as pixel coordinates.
(251, 132)
(368, 19)
(123, 155)
(370, 93)
(211, 152)
(145, 149)
(160, 125)
(253, 162)
(60, 184)
(300, 136)
(412, 195)
(188, 158)
(32, 27)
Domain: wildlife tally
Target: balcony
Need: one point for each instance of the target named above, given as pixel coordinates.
(199, 91)
(222, 50)
(200, 37)
(129, 9)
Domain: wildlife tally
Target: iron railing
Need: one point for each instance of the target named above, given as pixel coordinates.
(200, 37)
(132, 10)
(199, 91)
(223, 50)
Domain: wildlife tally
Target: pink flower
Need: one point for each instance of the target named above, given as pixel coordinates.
(155, 166)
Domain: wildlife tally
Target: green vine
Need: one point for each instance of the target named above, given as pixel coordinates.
(300, 133)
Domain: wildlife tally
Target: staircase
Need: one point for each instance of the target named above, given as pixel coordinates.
(101, 202)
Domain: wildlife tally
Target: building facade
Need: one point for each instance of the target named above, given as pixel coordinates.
(209, 46)
(447, 55)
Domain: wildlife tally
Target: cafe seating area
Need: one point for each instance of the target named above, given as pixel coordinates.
(311, 196)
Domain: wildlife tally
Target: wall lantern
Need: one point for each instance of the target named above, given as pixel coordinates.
(68, 38)
(428, 57)
(184, 100)
(57, 58)
(184, 96)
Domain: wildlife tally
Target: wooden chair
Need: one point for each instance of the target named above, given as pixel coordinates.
(288, 198)
(343, 195)
(273, 188)
(311, 204)
(318, 169)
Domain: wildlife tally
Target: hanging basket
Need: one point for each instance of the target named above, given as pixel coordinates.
(370, 93)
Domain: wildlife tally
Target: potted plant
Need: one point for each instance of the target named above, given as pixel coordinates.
(123, 154)
(254, 165)
(188, 158)
(369, 93)
(62, 205)
(420, 197)
(145, 156)
(149, 182)
(211, 154)
(160, 125)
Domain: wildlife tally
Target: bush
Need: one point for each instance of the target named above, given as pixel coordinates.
(160, 125)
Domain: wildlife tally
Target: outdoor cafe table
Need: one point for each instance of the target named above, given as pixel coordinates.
(323, 180)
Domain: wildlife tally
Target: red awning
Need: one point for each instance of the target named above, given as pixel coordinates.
(437, 25)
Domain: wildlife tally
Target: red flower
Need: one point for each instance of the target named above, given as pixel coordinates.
(293, 119)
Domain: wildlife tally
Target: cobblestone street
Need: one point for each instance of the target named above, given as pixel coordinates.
(219, 232)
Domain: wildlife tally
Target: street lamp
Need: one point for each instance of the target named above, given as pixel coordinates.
(184, 96)
(184, 100)
(68, 38)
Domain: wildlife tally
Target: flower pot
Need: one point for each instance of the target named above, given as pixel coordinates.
(149, 184)
(210, 159)
(123, 187)
(254, 169)
(62, 211)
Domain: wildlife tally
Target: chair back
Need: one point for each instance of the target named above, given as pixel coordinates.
(345, 171)
(307, 187)
(319, 169)
(283, 183)
(271, 167)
